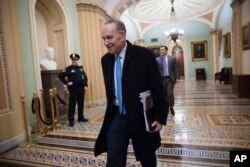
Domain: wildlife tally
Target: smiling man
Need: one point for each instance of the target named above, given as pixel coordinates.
(129, 70)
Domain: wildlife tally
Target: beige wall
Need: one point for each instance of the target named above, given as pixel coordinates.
(51, 31)
(41, 26)
(240, 19)
(91, 18)
(11, 118)
(236, 42)
(246, 53)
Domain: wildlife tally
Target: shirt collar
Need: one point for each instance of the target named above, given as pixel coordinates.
(123, 52)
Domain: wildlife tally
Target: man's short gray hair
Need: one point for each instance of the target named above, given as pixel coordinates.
(120, 26)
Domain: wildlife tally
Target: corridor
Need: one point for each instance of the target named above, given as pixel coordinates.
(209, 122)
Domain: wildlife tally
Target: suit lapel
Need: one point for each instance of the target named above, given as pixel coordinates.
(112, 65)
(128, 57)
(109, 64)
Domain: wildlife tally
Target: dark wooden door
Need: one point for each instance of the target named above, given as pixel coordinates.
(178, 53)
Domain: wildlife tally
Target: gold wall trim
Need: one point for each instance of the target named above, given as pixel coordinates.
(5, 102)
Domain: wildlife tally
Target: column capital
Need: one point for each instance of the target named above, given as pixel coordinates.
(91, 2)
(214, 31)
(90, 7)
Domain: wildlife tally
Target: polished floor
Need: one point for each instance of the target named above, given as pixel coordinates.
(210, 121)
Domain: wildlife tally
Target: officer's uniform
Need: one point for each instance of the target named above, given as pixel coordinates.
(78, 77)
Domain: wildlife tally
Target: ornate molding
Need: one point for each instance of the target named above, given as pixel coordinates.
(92, 8)
(5, 105)
(214, 31)
(93, 2)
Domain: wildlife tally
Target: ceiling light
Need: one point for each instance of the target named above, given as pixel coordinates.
(174, 32)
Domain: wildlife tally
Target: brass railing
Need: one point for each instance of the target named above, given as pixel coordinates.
(54, 123)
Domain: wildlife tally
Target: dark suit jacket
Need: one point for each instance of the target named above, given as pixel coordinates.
(140, 73)
(172, 67)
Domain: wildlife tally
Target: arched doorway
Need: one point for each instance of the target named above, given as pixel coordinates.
(51, 30)
(49, 26)
(177, 51)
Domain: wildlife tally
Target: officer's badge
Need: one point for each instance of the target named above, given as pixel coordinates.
(72, 70)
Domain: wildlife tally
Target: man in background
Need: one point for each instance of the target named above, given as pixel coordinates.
(170, 73)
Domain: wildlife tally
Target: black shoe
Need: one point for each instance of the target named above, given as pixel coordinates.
(172, 111)
(71, 124)
(83, 120)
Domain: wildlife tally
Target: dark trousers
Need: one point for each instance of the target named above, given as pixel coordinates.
(118, 137)
(169, 87)
(76, 96)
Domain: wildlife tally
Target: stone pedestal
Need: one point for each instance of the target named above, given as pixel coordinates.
(50, 80)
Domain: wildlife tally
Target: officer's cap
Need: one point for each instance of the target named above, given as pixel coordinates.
(74, 56)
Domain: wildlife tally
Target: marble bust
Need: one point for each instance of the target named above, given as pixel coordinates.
(48, 63)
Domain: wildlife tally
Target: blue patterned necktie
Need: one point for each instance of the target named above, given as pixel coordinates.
(118, 71)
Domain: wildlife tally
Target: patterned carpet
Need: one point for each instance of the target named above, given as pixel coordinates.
(209, 122)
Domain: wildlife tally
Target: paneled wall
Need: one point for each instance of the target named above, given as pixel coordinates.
(90, 18)
(11, 78)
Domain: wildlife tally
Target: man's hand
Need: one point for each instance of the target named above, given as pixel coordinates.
(157, 126)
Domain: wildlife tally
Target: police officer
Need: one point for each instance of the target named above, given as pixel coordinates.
(76, 79)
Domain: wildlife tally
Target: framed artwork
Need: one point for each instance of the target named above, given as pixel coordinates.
(227, 45)
(199, 51)
(155, 49)
(246, 37)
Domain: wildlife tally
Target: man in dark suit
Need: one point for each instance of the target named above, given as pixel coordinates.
(124, 120)
(169, 73)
